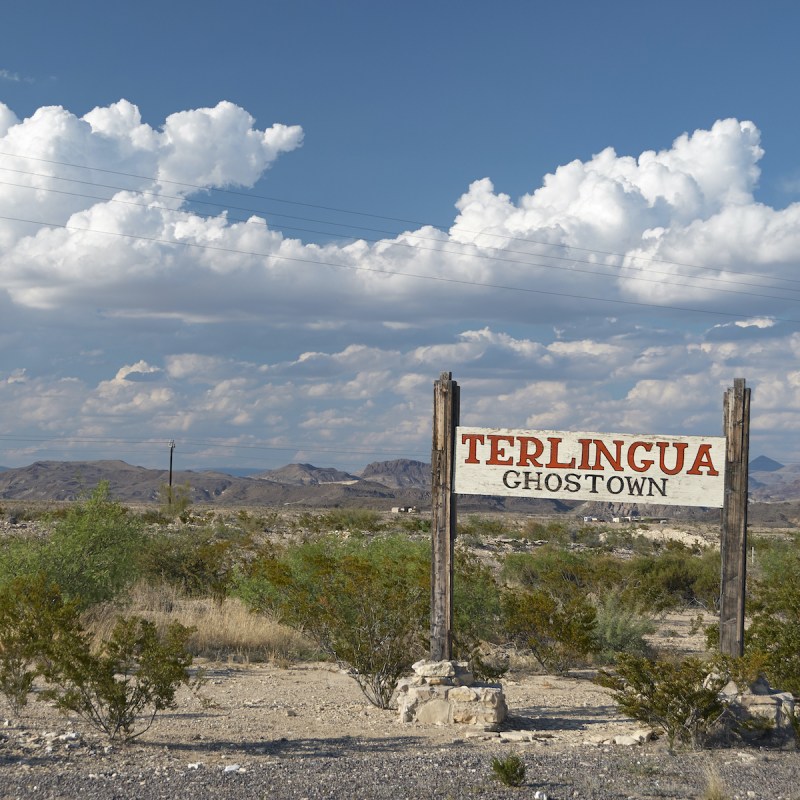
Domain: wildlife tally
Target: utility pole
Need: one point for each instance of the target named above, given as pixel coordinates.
(446, 404)
(733, 544)
(171, 448)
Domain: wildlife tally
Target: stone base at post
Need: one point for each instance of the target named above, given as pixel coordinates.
(445, 693)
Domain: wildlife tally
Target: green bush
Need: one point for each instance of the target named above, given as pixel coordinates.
(681, 699)
(476, 527)
(365, 603)
(359, 520)
(120, 689)
(673, 578)
(773, 636)
(200, 562)
(510, 771)
(20, 555)
(619, 630)
(477, 615)
(412, 523)
(563, 573)
(91, 553)
(553, 531)
(175, 500)
(559, 633)
(33, 619)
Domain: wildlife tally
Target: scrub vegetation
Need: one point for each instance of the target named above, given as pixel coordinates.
(119, 587)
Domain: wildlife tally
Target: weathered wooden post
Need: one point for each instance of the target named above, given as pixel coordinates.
(443, 522)
(733, 543)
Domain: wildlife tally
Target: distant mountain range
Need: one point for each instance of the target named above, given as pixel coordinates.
(300, 484)
(380, 485)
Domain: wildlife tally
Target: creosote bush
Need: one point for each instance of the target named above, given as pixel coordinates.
(119, 689)
(201, 562)
(477, 615)
(682, 699)
(91, 551)
(34, 619)
(773, 637)
(175, 500)
(364, 603)
(559, 633)
(674, 578)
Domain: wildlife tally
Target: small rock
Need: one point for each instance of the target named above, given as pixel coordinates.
(516, 736)
(626, 740)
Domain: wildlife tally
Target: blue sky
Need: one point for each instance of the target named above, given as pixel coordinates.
(628, 173)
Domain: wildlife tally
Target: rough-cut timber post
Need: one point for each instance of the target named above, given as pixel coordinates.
(443, 522)
(733, 544)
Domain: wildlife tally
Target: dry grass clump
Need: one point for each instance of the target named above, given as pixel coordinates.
(223, 630)
(715, 788)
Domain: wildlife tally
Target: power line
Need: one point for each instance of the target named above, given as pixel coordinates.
(189, 445)
(412, 275)
(462, 253)
(252, 195)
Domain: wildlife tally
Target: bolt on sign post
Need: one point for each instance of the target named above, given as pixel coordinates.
(733, 542)
(443, 523)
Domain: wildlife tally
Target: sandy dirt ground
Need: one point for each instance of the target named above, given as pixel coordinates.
(238, 708)
(305, 732)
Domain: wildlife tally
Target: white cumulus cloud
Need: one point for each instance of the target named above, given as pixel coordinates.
(623, 292)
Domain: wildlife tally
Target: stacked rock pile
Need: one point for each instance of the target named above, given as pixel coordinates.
(445, 692)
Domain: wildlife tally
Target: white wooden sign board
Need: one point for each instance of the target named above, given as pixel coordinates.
(615, 467)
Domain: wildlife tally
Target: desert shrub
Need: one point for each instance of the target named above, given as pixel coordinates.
(411, 523)
(673, 578)
(200, 562)
(558, 632)
(548, 566)
(773, 637)
(174, 500)
(510, 771)
(563, 573)
(619, 630)
(120, 688)
(153, 516)
(309, 522)
(256, 523)
(682, 699)
(477, 614)
(361, 520)
(92, 554)
(554, 531)
(20, 555)
(364, 603)
(33, 617)
(476, 527)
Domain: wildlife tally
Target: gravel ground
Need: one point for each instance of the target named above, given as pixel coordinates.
(306, 732)
(398, 768)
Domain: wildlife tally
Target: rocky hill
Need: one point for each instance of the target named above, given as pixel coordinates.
(305, 475)
(774, 484)
(399, 474)
(775, 490)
